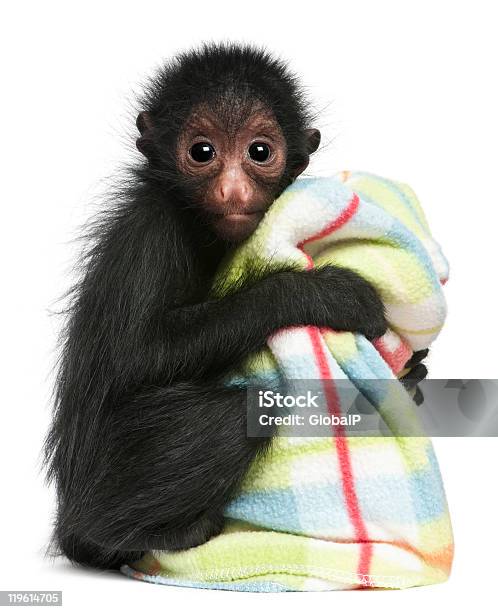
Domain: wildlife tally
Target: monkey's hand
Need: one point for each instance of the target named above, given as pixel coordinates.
(416, 374)
(344, 301)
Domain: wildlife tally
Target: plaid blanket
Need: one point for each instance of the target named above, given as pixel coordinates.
(338, 512)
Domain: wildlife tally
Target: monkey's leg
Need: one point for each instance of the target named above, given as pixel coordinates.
(172, 460)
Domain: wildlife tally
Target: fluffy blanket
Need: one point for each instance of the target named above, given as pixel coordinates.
(338, 512)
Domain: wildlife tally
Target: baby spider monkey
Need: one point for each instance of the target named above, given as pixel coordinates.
(147, 444)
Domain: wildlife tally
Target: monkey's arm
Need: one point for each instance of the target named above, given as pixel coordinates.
(208, 338)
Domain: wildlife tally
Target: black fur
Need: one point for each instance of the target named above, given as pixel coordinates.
(147, 444)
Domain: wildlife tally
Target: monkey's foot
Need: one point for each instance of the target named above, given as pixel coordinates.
(203, 529)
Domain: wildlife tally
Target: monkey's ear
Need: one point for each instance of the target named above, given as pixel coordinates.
(145, 125)
(313, 138)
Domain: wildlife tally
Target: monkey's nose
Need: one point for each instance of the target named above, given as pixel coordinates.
(234, 190)
(234, 187)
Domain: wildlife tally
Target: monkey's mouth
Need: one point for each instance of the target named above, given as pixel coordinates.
(243, 217)
(237, 226)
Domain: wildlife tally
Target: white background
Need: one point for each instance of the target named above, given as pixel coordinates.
(405, 89)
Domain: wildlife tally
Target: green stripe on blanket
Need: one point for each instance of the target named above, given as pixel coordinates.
(339, 512)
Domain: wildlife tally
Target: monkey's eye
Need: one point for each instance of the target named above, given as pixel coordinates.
(202, 152)
(259, 152)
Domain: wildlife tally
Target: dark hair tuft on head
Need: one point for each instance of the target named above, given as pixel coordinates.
(227, 74)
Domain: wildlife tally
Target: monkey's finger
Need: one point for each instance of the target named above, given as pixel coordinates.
(414, 376)
(416, 358)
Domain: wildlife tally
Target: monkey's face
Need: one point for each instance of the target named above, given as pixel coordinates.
(234, 161)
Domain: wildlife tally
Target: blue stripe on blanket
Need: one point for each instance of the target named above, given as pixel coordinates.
(396, 499)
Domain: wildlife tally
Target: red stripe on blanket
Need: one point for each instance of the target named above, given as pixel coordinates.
(344, 458)
(334, 225)
(395, 359)
(309, 261)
